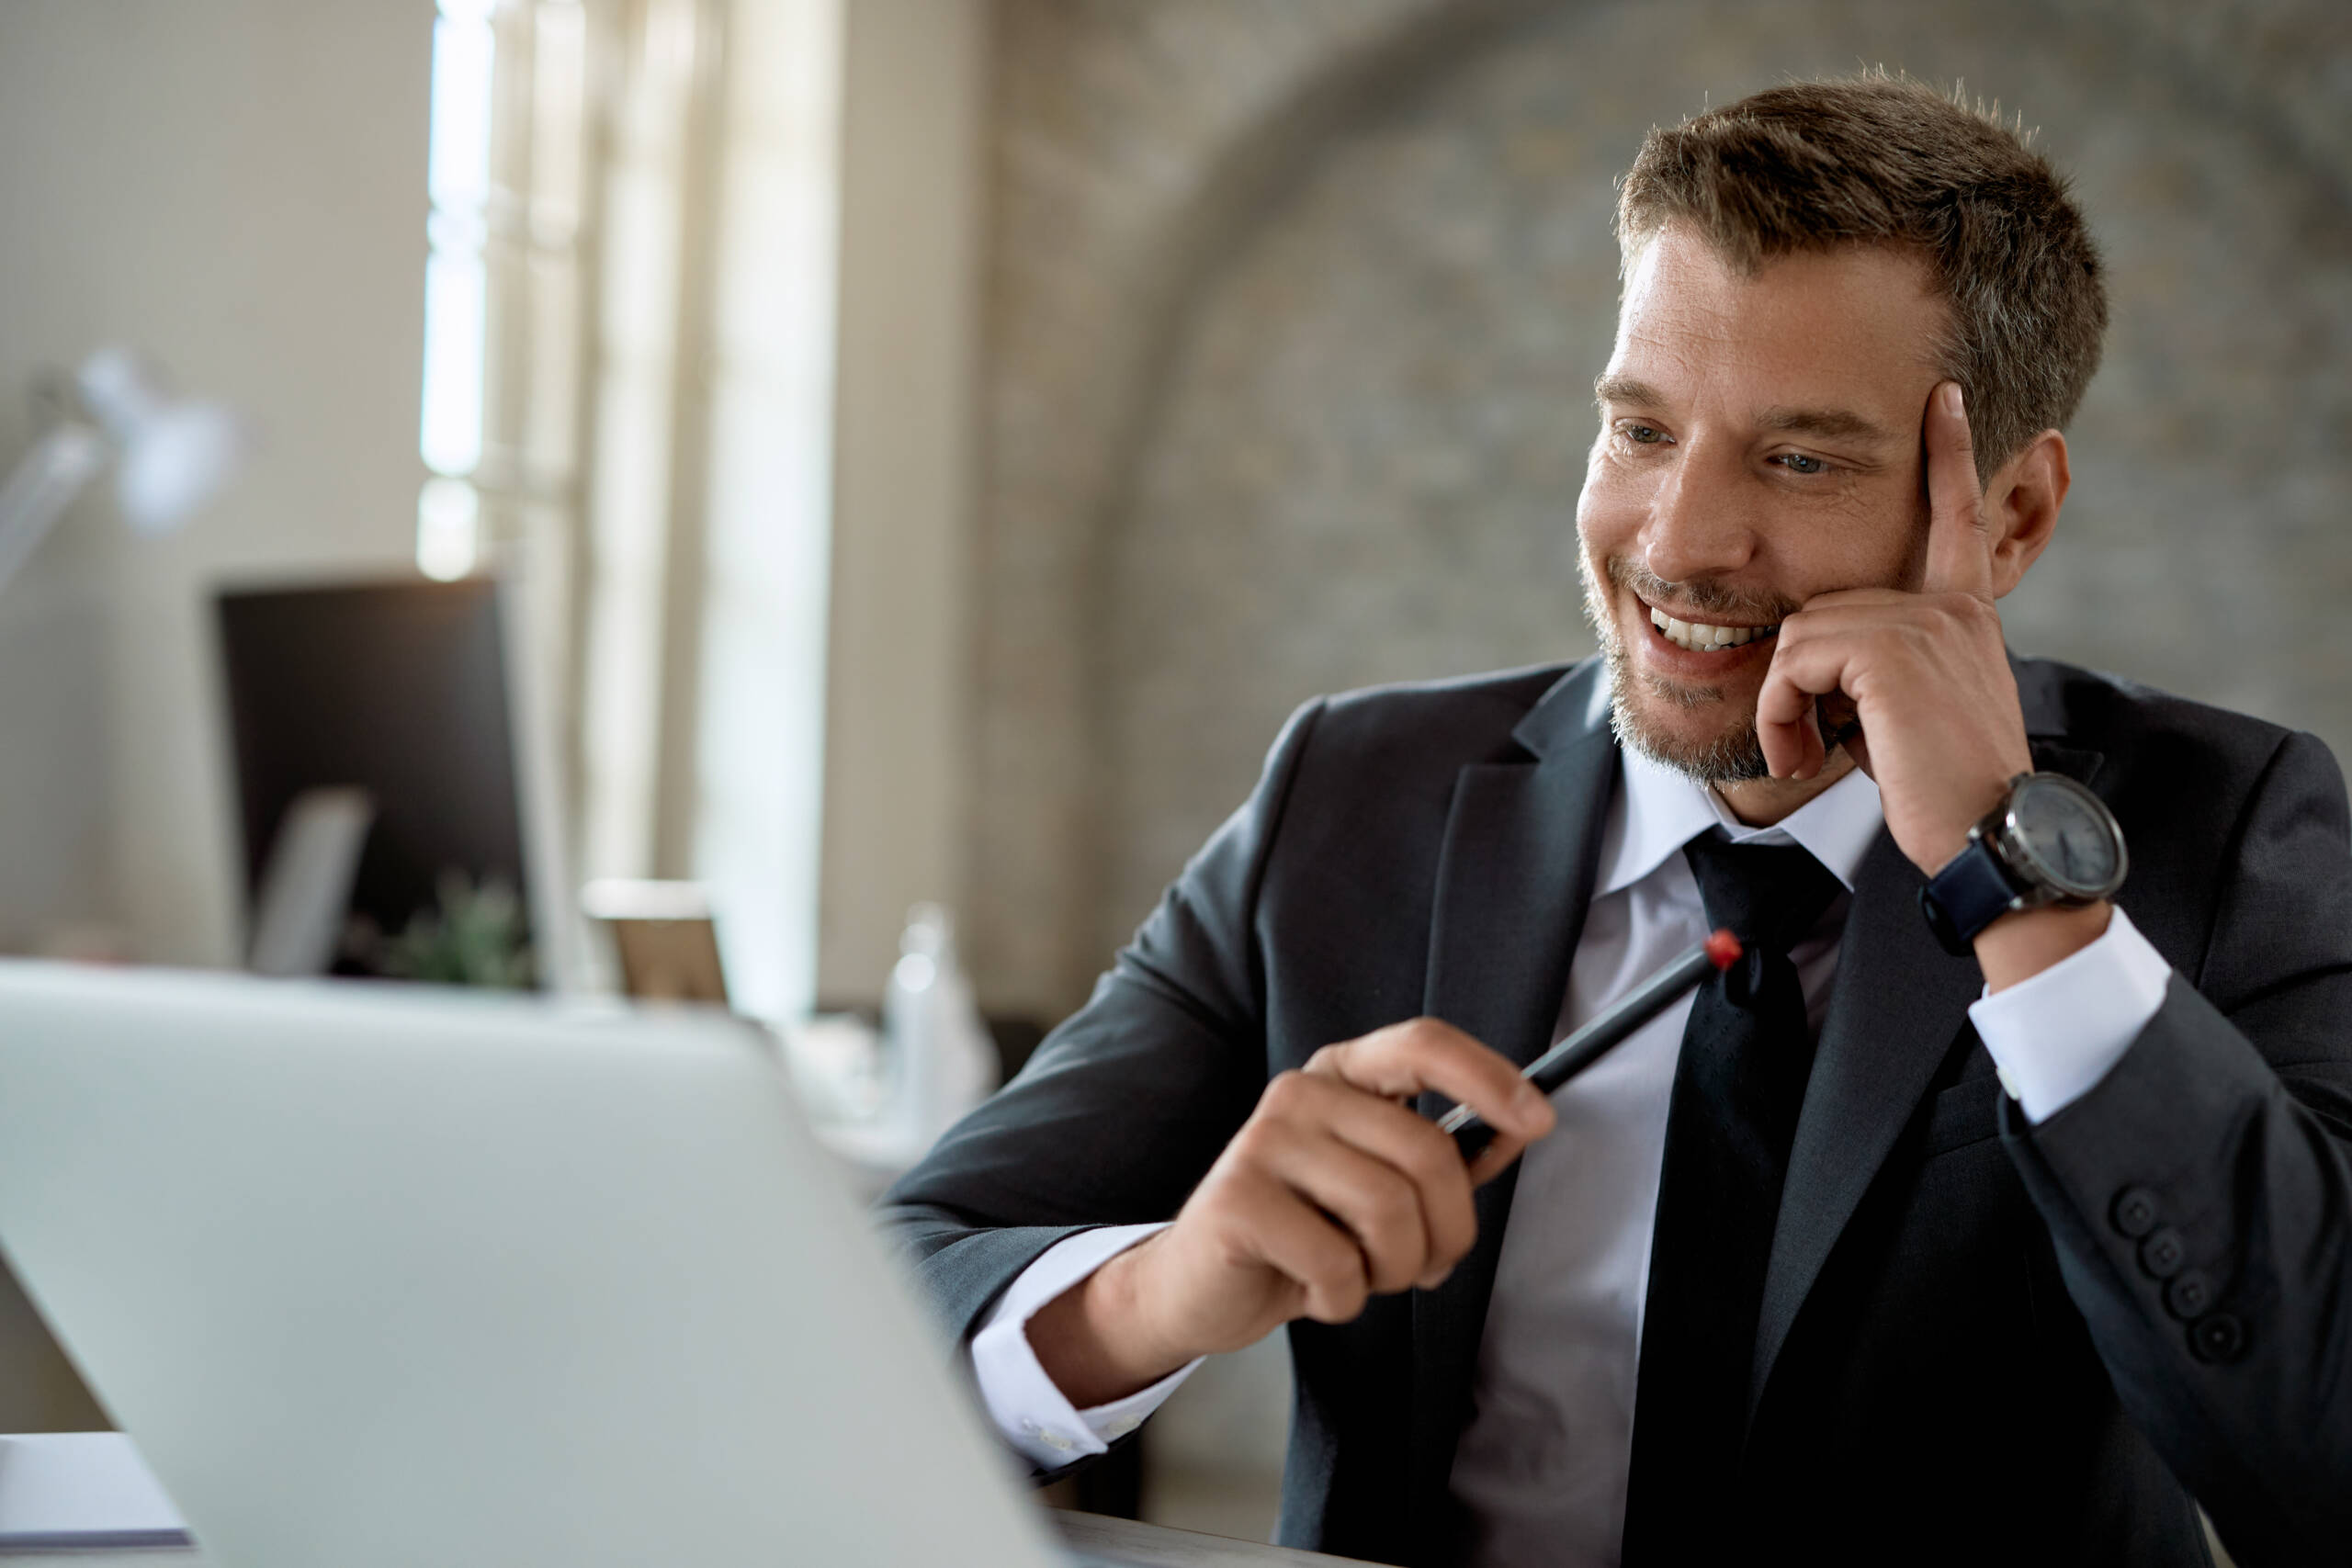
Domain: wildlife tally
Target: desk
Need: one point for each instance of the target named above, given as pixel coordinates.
(1099, 1543)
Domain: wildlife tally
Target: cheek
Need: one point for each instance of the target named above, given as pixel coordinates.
(1868, 539)
(1611, 509)
(1893, 545)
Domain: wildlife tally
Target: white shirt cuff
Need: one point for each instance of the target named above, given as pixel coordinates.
(2055, 1035)
(1033, 1413)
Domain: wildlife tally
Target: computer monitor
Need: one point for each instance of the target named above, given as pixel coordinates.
(403, 691)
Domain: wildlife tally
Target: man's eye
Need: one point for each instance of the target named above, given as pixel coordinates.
(1800, 463)
(1642, 434)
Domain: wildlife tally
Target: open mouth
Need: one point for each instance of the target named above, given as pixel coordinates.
(1701, 637)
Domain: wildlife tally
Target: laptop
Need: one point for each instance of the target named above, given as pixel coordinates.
(381, 1275)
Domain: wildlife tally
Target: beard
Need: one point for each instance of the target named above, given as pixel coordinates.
(1731, 755)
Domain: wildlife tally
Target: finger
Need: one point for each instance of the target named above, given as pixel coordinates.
(1823, 606)
(1428, 1053)
(1370, 1198)
(1320, 1259)
(1304, 1104)
(1960, 551)
(1788, 724)
(1429, 1160)
(1495, 1160)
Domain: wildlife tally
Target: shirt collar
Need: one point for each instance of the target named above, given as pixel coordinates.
(1656, 811)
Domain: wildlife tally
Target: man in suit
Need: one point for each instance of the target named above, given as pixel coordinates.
(2012, 1224)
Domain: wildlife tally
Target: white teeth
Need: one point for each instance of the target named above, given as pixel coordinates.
(1700, 637)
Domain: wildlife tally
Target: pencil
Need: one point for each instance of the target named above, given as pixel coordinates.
(1554, 1068)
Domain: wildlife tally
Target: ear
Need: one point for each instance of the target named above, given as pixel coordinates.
(2021, 505)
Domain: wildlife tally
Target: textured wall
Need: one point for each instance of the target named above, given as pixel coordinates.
(1130, 145)
(1294, 307)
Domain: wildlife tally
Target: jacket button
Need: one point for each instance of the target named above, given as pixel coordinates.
(2134, 1213)
(2189, 1294)
(2162, 1253)
(2218, 1336)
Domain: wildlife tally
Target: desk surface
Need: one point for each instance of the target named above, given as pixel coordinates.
(1119, 1542)
(1131, 1545)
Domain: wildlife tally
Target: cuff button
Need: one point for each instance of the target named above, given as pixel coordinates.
(2134, 1213)
(2163, 1253)
(2189, 1294)
(2218, 1337)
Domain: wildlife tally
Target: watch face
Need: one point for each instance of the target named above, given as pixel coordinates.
(2066, 836)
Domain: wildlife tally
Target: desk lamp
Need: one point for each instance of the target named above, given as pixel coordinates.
(171, 457)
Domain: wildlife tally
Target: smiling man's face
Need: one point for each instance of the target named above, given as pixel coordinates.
(1759, 443)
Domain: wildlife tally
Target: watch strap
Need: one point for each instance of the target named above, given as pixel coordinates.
(1966, 896)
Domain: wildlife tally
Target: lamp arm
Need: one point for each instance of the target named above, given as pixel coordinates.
(41, 488)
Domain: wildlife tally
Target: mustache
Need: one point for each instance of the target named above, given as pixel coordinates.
(1700, 593)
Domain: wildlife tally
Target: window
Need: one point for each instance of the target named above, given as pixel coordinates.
(627, 405)
(503, 301)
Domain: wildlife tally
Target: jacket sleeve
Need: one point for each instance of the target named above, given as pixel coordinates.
(1124, 1108)
(2201, 1193)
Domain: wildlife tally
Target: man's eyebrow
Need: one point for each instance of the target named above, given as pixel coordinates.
(1829, 423)
(1625, 390)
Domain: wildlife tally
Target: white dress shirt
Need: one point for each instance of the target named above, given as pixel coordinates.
(1542, 1467)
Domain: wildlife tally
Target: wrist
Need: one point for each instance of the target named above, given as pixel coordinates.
(1972, 806)
(1095, 1339)
(2031, 886)
(2024, 943)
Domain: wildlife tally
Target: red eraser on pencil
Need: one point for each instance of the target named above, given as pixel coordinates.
(1723, 948)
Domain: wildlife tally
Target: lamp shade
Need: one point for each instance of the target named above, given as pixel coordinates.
(177, 455)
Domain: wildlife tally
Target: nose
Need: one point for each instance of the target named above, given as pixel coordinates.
(1697, 525)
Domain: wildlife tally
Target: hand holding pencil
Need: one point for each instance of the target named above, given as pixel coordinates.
(1604, 1033)
(1332, 1192)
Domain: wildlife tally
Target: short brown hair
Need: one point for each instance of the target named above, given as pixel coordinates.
(1885, 160)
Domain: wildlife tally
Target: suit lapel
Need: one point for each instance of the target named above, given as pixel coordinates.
(1896, 1004)
(1523, 844)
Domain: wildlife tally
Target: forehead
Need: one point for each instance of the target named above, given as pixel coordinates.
(1858, 325)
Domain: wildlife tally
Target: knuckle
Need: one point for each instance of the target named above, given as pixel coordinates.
(1285, 1090)
(1341, 1285)
(1326, 1060)
(1423, 1033)
(1451, 1253)
(1431, 1158)
(1256, 1142)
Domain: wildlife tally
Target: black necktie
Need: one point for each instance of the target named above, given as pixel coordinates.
(1738, 1083)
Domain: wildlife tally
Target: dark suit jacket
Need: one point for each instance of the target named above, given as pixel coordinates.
(1966, 1349)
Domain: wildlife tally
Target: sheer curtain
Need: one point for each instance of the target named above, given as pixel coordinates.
(627, 411)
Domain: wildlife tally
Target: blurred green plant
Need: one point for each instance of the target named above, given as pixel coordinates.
(477, 938)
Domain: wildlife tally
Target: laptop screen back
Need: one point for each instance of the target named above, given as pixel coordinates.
(388, 1276)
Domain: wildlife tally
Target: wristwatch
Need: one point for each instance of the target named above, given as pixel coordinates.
(2050, 841)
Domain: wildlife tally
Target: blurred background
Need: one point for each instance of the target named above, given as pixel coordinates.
(926, 446)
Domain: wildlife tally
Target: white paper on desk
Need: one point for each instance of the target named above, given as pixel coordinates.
(81, 1489)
